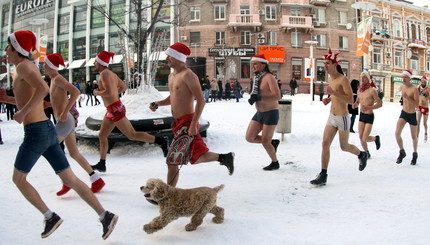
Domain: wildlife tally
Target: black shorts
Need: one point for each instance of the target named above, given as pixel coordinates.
(267, 117)
(410, 118)
(367, 118)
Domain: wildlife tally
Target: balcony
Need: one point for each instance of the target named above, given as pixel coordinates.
(320, 2)
(296, 22)
(245, 21)
(295, 2)
(380, 67)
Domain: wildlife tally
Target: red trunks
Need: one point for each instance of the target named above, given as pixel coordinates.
(185, 148)
(423, 110)
(115, 112)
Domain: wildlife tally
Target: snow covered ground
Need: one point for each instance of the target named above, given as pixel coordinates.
(387, 203)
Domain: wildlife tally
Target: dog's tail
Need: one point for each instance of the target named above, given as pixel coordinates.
(219, 188)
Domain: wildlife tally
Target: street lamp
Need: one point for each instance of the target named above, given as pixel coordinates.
(38, 23)
(311, 57)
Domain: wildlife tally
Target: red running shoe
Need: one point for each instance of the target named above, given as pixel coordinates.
(63, 190)
(97, 185)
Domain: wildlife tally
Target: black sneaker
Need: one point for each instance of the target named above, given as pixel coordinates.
(228, 161)
(414, 158)
(165, 145)
(363, 160)
(51, 225)
(148, 198)
(377, 142)
(99, 167)
(108, 223)
(320, 180)
(272, 166)
(368, 154)
(275, 144)
(402, 154)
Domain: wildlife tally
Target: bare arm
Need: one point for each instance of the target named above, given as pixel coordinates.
(5, 98)
(378, 101)
(194, 86)
(164, 102)
(122, 87)
(74, 94)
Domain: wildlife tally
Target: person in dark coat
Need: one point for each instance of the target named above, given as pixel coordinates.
(321, 90)
(354, 112)
(293, 86)
(227, 90)
(89, 92)
(220, 89)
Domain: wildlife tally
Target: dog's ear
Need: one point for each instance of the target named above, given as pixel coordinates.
(160, 191)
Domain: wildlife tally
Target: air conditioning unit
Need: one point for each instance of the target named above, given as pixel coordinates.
(313, 16)
(316, 23)
(261, 41)
(260, 35)
(388, 54)
(184, 38)
(260, 12)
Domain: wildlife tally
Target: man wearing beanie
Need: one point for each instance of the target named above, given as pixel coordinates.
(61, 104)
(187, 145)
(423, 106)
(339, 121)
(368, 100)
(40, 137)
(410, 102)
(109, 88)
(266, 94)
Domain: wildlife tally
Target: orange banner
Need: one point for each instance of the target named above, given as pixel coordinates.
(363, 36)
(274, 54)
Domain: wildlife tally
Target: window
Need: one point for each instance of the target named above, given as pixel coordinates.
(377, 24)
(414, 31)
(377, 57)
(296, 39)
(397, 28)
(63, 24)
(344, 66)
(80, 23)
(270, 12)
(343, 43)
(398, 59)
(195, 14)
(296, 11)
(219, 67)
(195, 39)
(97, 45)
(297, 68)
(117, 13)
(245, 38)
(115, 43)
(320, 15)
(428, 34)
(343, 18)
(245, 68)
(428, 63)
(79, 45)
(320, 70)
(220, 38)
(272, 38)
(415, 62)
(244, 9)
(322, 41)
(219, 12)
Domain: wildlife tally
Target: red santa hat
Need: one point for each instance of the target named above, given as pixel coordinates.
(260, 58)
(369, 78)
(104, 58)
(407, 73)
(23, 42)
(332, 57)
(54, 61)
(178, 51)
(424, 78)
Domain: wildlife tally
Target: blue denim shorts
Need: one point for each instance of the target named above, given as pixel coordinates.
(40, 139)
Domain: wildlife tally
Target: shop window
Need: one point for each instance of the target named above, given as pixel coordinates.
(320, 70)
(297, 68)
(245, 68)
(79, 48)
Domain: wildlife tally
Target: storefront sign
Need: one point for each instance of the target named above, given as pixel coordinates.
(274, 54)
(223, 52)
(31, 6)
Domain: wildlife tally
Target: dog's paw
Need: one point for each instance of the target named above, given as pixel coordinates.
(148, 229)
(218, 220)
(190, 227)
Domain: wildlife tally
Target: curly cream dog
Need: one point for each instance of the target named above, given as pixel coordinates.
(175, 202)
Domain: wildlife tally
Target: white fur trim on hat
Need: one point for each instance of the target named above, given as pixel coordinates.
(259, 60)
(407, 73)
(52, 66)
(101, 62)
(175, 54)
(366, 73)
(17, 46)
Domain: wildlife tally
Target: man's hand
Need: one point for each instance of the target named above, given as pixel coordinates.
(19, 117)
(153, 106)
(326, 101)
(194, 129)
(64, 116)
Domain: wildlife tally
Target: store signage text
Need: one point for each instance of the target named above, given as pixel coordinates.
(31, 6)
(231, 52)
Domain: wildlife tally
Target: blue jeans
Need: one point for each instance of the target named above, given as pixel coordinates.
(40, 139)
(206, 93)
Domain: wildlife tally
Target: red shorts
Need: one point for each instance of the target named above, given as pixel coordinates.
(185, 148)
(423, 110)
(116, 111)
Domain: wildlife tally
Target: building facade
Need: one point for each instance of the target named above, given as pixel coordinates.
(224, 35)
(400, 39)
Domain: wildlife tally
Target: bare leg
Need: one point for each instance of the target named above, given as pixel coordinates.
(329, 134)
(105, 129)
(399, 128)
(70, 141)
(414, 137)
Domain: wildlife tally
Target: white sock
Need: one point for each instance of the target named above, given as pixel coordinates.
(102, 215)
(48, 214)
(94, 177)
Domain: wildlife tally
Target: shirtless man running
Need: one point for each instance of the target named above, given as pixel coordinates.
(187, 145)
(65, 127)
(266, 118)
(408, 115)
(368, 100)
(423, 106)
(40, 137)
(110, 86)
(339, 121)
